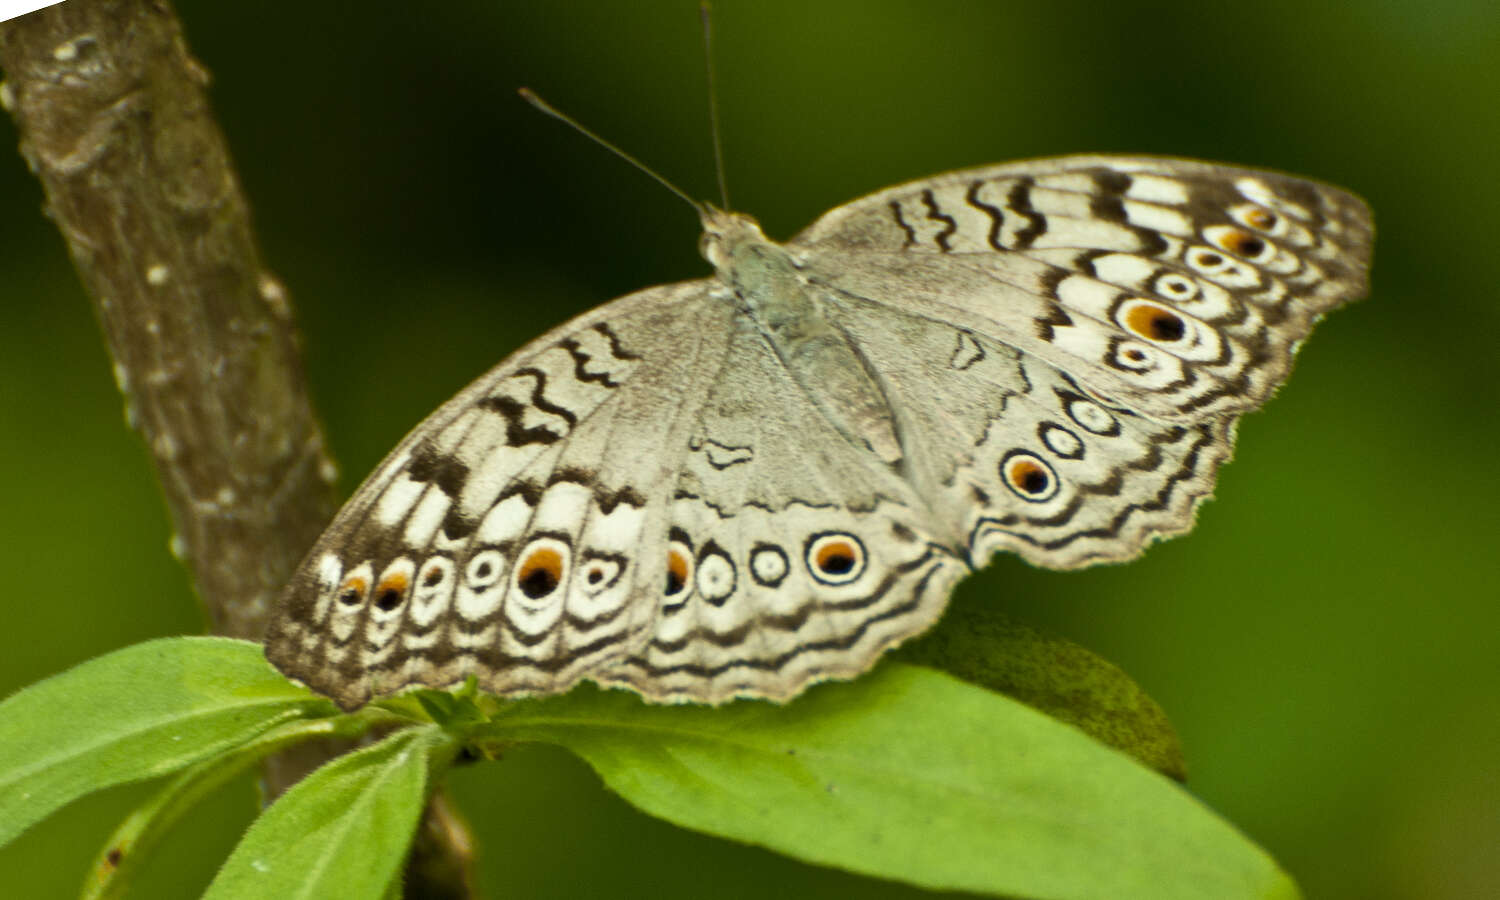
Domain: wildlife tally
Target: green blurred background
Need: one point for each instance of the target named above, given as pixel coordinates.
(1325, 641)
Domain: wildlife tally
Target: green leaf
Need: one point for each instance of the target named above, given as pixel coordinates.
(342, 831)
(137, 713)
(913, 775)
(144, 828)
(982, 646)
(455, 712)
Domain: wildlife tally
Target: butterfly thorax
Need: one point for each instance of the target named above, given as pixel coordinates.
(799, 321)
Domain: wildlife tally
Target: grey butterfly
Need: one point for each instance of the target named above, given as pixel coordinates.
(742, 485)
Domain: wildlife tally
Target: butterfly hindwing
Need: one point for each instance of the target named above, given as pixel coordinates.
(1013, 454)
(791, 559)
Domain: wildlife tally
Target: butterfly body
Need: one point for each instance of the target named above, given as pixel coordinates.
(793, 316)
(742, 485)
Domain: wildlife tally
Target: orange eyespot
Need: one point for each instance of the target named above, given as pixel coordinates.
(679, 568)
(1154, 323)
(835, 557)
(1239, 242)
(391, 590)
(540, 571)
(353, 590)
(1028, 476)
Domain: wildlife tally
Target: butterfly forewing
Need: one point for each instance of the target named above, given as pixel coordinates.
(1180, 289)
(510, 535)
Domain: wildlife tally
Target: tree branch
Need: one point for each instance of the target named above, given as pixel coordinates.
(116, 125)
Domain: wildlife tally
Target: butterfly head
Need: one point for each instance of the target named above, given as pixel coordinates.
(726, 236)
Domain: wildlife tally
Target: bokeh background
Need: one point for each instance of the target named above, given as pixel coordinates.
(1325, 640)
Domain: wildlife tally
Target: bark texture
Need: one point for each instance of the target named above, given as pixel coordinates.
(116, 125)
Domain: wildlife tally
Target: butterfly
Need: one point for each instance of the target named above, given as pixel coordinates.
(745, 484)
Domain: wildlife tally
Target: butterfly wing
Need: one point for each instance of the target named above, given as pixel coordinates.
(1012, 454)
(1132, 307)
(510, 535)
(1176, 289)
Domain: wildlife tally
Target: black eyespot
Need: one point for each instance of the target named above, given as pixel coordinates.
(1236, 240)
(537, 583)
(541, 568)
(1167, 328)
(1028, 476)
(836, 563)
(835, 557)
(679, 567)
(389, 599)
(1150, 320)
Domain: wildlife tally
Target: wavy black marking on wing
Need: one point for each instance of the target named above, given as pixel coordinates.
(581, 358)
(1109, 205)
(793, 620)
(516, 434)
(494, 659)
(615, 348)
(967, 352)
(1019, 201)
(540, 401)
(950, 226)
(1110, 487)
(1161, 500)
(843, 642)
(444, 470)
(608, 500)
(725, 512)
(997, 216)
(1056, 317)
(911, 233)
(1260, 354)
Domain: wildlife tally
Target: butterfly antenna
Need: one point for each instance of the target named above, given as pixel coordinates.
(706, 14)
(530, 97)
